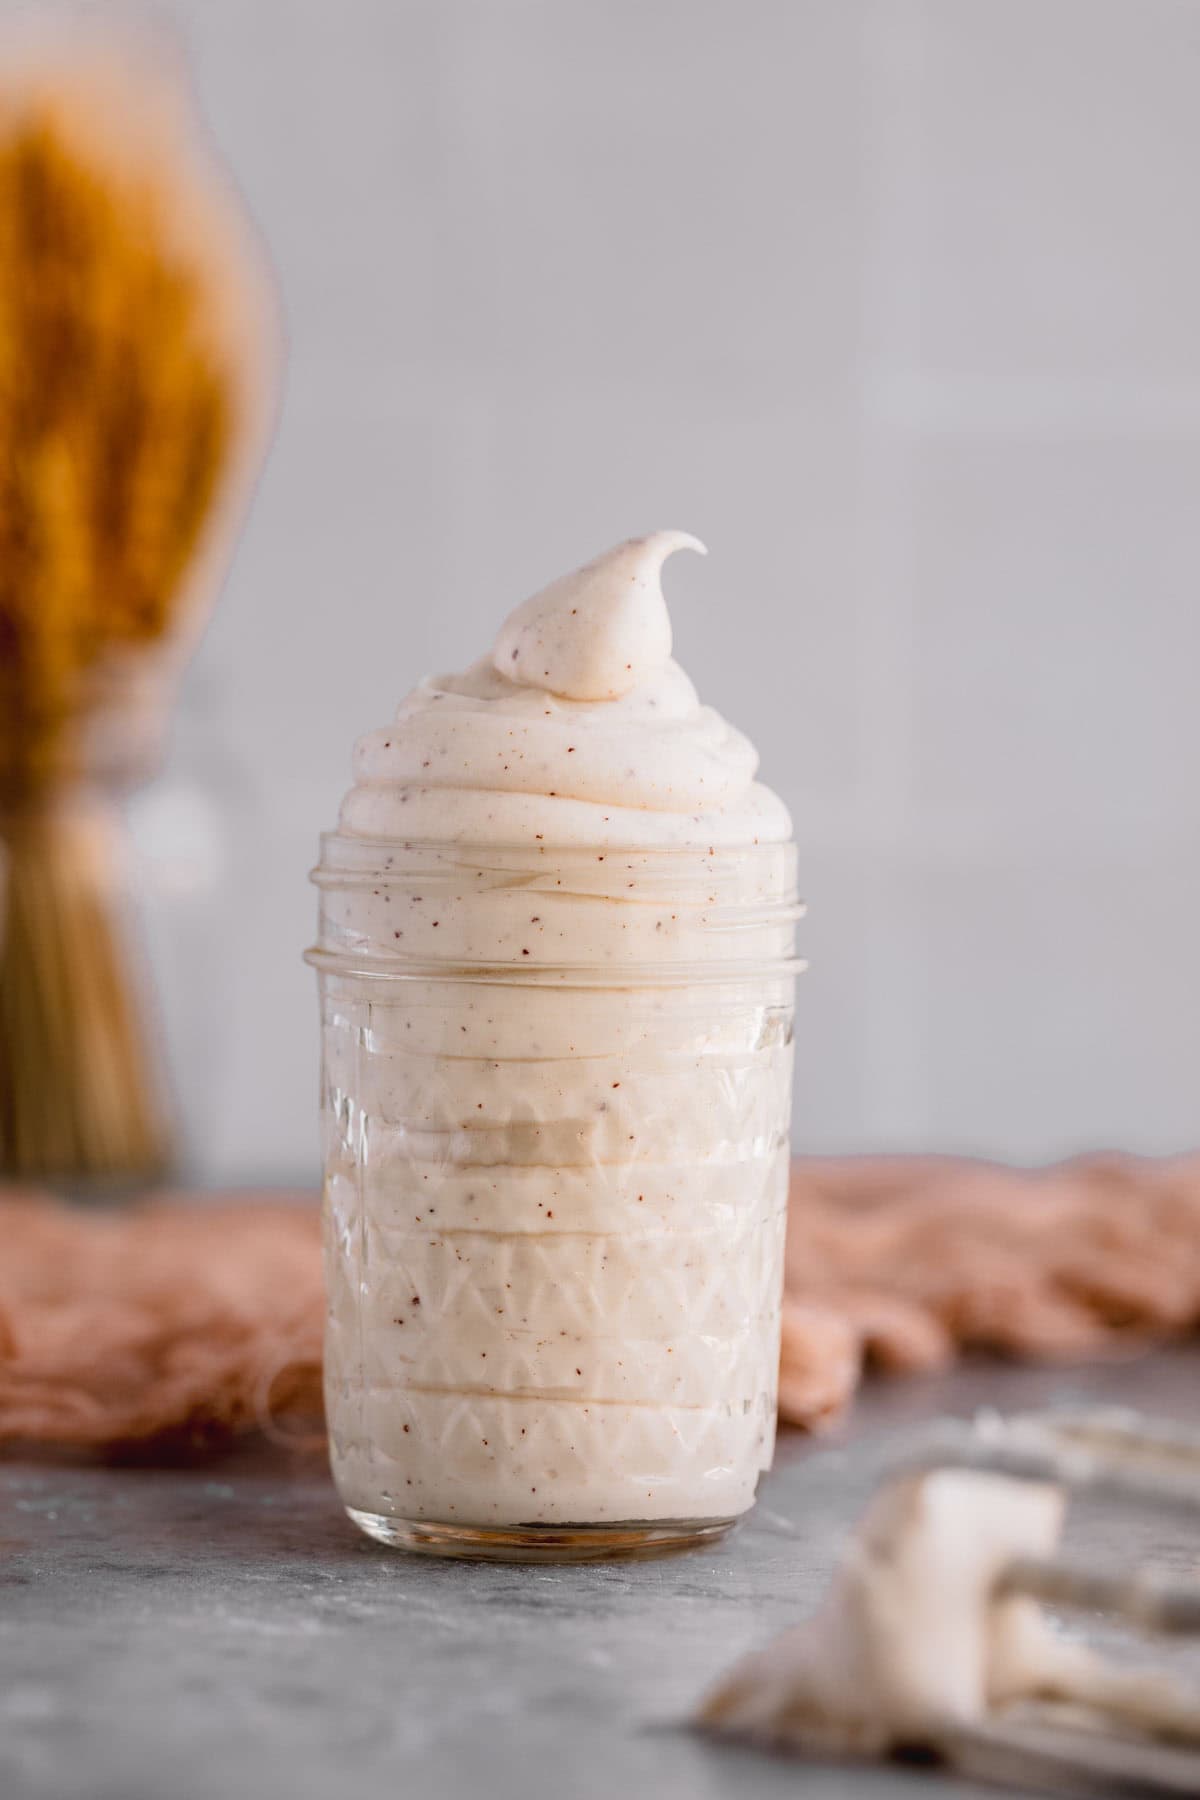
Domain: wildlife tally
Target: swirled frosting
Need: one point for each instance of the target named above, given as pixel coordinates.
(557, 1110)
(578, 728)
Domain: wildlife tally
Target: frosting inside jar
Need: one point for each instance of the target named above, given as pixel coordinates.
(557, 1063)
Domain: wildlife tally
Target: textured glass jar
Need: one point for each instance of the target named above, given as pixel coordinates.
(556, 1092)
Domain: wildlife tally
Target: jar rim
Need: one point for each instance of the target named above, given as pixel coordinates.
(362, 856)
(742, 898)
(361, 965)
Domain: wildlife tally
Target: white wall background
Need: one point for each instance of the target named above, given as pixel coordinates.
(897, 304)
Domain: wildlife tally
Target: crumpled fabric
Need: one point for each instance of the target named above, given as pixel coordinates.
(165, 1332)
(174, 1329)
(903, 1262)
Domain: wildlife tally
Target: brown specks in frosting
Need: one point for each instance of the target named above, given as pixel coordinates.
(591, 920)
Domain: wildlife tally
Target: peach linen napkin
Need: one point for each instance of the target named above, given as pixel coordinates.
(903, 1262)
(165, 1331)
(172, 1330)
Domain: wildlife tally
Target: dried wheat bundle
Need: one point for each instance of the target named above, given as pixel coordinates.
(135, 361)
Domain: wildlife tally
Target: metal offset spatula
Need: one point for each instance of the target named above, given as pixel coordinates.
(932, 1640)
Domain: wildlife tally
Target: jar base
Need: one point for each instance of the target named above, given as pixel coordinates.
(540, 1543)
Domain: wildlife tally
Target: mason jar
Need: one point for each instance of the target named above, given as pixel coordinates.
(556, 1092)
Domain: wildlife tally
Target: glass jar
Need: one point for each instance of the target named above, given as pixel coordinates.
(556, 1096)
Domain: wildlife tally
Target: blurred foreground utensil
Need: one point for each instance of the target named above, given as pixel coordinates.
(932, 1643)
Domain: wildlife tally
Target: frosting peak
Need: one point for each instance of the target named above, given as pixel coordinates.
(600, 632)
(578, 729)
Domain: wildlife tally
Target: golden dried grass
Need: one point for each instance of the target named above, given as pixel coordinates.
(135, 359)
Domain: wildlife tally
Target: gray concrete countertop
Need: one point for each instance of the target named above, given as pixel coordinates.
(213, 1634)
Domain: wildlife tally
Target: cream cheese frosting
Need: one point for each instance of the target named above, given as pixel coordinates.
(557, 1106)
(579, 728)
